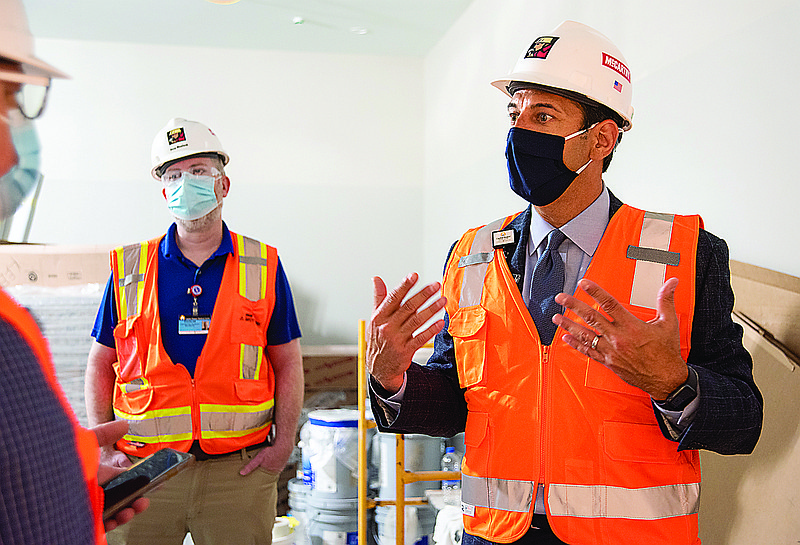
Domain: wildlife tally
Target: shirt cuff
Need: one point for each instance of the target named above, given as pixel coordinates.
(390, 404)
(678, 421)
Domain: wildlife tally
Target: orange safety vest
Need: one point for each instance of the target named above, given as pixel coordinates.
(548, 414)
(85, 440)
(229, 403)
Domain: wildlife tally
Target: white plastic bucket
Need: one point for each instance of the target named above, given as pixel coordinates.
(283, 531)
(420, 521)
(422, 453)
(332, 521)
(333, 453)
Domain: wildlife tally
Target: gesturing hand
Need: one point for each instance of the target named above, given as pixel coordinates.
(643, 354)
(391, 341)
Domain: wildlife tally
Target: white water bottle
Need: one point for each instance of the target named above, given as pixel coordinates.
(451, 488)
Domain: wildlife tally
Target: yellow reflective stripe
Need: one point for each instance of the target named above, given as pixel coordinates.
(155, 413)
(123, 301)
(250, 358)
(158, 438)
(135, 385)
(242, 266)
(263, 290)
(140, 284)
(207, 434)
(259, 359)
(213, 408)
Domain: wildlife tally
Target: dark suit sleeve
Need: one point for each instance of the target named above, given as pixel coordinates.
(433, 402)
(728, 418)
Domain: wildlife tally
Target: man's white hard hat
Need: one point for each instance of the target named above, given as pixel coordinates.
(16, 44)
(578, 60)
(181, 138)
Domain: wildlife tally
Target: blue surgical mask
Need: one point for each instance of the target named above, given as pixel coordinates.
(536, 169)
(191, 197)
(22, 178)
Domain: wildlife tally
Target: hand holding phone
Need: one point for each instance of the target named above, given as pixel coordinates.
(142, 477)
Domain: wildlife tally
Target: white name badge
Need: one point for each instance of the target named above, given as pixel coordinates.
(194, 325)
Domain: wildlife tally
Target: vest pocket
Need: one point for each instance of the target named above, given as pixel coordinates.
(129, 365)
(469, 339)
(600, 377)
(250, 322)
(629, 442)
(251, 390)
(136, 396)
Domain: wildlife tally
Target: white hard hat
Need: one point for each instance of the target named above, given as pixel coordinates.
(16, 44)
(181, 138)
(579, 60)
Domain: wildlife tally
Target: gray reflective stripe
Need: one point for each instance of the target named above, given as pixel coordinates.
(250, 358)
(475, 259)
(131, 265)
(652, 503)
(648, 275)
(503, 494)
(215, 423)
(653, 255)
(162, 428)
(133, 386)
(472, 283)
(130, 279)
(254, 267)
(253, 261)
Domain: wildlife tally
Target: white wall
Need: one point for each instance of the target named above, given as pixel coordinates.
(358, 165)
(714, 125)
(326, 159)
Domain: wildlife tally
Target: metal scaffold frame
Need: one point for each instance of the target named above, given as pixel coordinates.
(402, 477)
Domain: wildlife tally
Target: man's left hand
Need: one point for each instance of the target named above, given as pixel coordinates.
(643, 354)
(268, 458)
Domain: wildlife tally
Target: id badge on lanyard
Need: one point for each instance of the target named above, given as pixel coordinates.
(194, 324)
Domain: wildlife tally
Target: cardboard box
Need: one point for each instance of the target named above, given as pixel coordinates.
(330, 367)
(53, 265)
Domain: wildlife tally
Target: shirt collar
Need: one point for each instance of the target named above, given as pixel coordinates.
(585, 230)
(169, 246)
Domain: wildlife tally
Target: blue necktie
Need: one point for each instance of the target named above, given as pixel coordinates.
(546, 283)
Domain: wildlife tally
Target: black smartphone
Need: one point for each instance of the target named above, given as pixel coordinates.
(142, 477)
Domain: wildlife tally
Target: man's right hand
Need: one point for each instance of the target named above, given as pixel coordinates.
(110, 456)
(391, 342)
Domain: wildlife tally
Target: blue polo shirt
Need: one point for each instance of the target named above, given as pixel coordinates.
(176, 274)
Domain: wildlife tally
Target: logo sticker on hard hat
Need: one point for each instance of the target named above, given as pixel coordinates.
(176, 135)
(541, 47)
(617, 66)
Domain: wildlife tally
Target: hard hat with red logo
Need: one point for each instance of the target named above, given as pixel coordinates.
(579, 62)
(181, 138)
(16, 44)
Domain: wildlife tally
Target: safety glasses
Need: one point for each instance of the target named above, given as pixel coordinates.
(31, 98)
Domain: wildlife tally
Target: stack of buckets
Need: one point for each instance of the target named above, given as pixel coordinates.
(325, 501)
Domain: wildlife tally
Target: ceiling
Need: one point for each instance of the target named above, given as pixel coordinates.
(372, 27)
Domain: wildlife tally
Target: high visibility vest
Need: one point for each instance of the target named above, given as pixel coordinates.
(85, 440)
(229, 403)
(548, 414)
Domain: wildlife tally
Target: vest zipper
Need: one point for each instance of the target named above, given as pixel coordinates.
(543, 420)
(195, 413)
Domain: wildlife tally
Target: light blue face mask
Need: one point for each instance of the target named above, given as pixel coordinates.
(22, 178)
(191, 197)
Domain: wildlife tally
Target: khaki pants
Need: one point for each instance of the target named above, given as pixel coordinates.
(210, 500)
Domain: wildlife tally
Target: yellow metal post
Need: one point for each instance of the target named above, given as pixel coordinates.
(362, 435)
(402, 477)
(400, 490)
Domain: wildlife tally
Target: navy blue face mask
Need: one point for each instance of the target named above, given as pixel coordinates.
(536, 169)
